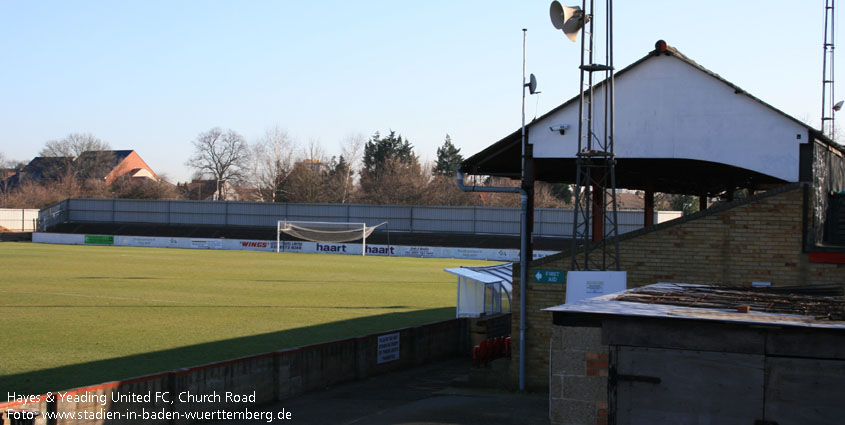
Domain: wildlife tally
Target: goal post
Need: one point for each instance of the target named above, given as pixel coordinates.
(325, 231)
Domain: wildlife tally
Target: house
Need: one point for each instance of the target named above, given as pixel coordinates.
(123, 163)
(108, 165)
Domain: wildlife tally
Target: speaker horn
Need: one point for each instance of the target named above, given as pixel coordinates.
(570, 20)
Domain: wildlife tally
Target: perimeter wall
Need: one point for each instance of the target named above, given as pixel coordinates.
(251, 381)
(753, 239)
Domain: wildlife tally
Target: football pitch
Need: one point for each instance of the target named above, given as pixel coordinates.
(82, 315)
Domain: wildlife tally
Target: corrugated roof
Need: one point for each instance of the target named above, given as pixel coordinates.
(498, 273)
(702, 302)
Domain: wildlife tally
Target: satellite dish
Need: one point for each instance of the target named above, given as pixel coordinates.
(532, 84)
(570, 20)
(836, 107)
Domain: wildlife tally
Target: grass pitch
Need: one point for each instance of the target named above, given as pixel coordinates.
(81, 315)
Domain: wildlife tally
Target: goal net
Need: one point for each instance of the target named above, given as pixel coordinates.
(326, 232)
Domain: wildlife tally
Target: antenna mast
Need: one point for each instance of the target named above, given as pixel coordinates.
(595, 230)
(828, 106)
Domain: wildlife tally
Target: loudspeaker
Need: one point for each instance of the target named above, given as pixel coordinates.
(570, 20)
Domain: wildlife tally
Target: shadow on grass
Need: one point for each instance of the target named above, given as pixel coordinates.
(96, 372)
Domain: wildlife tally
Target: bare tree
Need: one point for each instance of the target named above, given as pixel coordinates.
(399, 182)
(73, 159)
(74, 145)
(223, 156)
(272, 162)
(128, 188)
(351, 153)
(308, 177)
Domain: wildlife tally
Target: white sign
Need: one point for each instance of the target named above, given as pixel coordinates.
(388, 347)
(581, 285)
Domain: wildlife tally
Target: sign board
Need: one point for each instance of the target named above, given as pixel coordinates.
(581, 285)
(549, 276)
(99, 240)
(288, 246)
(388, 348)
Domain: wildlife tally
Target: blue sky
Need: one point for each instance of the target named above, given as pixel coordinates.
(151, 75)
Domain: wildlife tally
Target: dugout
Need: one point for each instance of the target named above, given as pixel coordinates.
(483, 291)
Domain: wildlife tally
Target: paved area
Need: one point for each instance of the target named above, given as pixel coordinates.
(421, 395)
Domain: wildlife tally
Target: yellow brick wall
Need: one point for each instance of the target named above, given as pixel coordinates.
(757, 239)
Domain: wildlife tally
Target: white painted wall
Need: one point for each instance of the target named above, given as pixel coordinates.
(18, 220)
(666, 108)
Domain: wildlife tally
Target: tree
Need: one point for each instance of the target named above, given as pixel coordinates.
(448, 157)
(399, 183)
(350, 160)
(74, 159)
(339, 184)
(378, 151)
(272, 162)
(391, 173)
(128, 188)
(552, 195)
(74, 145)
(223, 156)
(688, 204)
(562, 192)
(444, 190)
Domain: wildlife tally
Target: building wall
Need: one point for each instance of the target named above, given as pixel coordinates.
(753, 239)
(656, 118)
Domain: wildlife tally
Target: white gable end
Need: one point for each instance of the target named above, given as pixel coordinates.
(667, 108)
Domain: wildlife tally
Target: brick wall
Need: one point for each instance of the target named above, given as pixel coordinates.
(578, 381)
(753, 239)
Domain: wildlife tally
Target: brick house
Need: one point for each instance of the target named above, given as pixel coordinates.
(109, 165)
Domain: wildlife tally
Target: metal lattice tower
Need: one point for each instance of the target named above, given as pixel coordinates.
(828, 123)
(595, 220)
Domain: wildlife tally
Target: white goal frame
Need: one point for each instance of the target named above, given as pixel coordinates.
(352, 226)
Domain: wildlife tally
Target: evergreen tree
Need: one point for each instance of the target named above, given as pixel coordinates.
(379, 150)
(448, 157)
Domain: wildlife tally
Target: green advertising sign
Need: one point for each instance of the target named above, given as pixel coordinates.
(99, 240)
(549, 276)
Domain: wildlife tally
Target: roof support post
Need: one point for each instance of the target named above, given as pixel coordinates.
(648, 208)
(523, 258)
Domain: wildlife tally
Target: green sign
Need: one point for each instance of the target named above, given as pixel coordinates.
(99, 239)
(549, 276)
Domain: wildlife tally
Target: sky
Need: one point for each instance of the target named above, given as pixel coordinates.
(151, 75)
